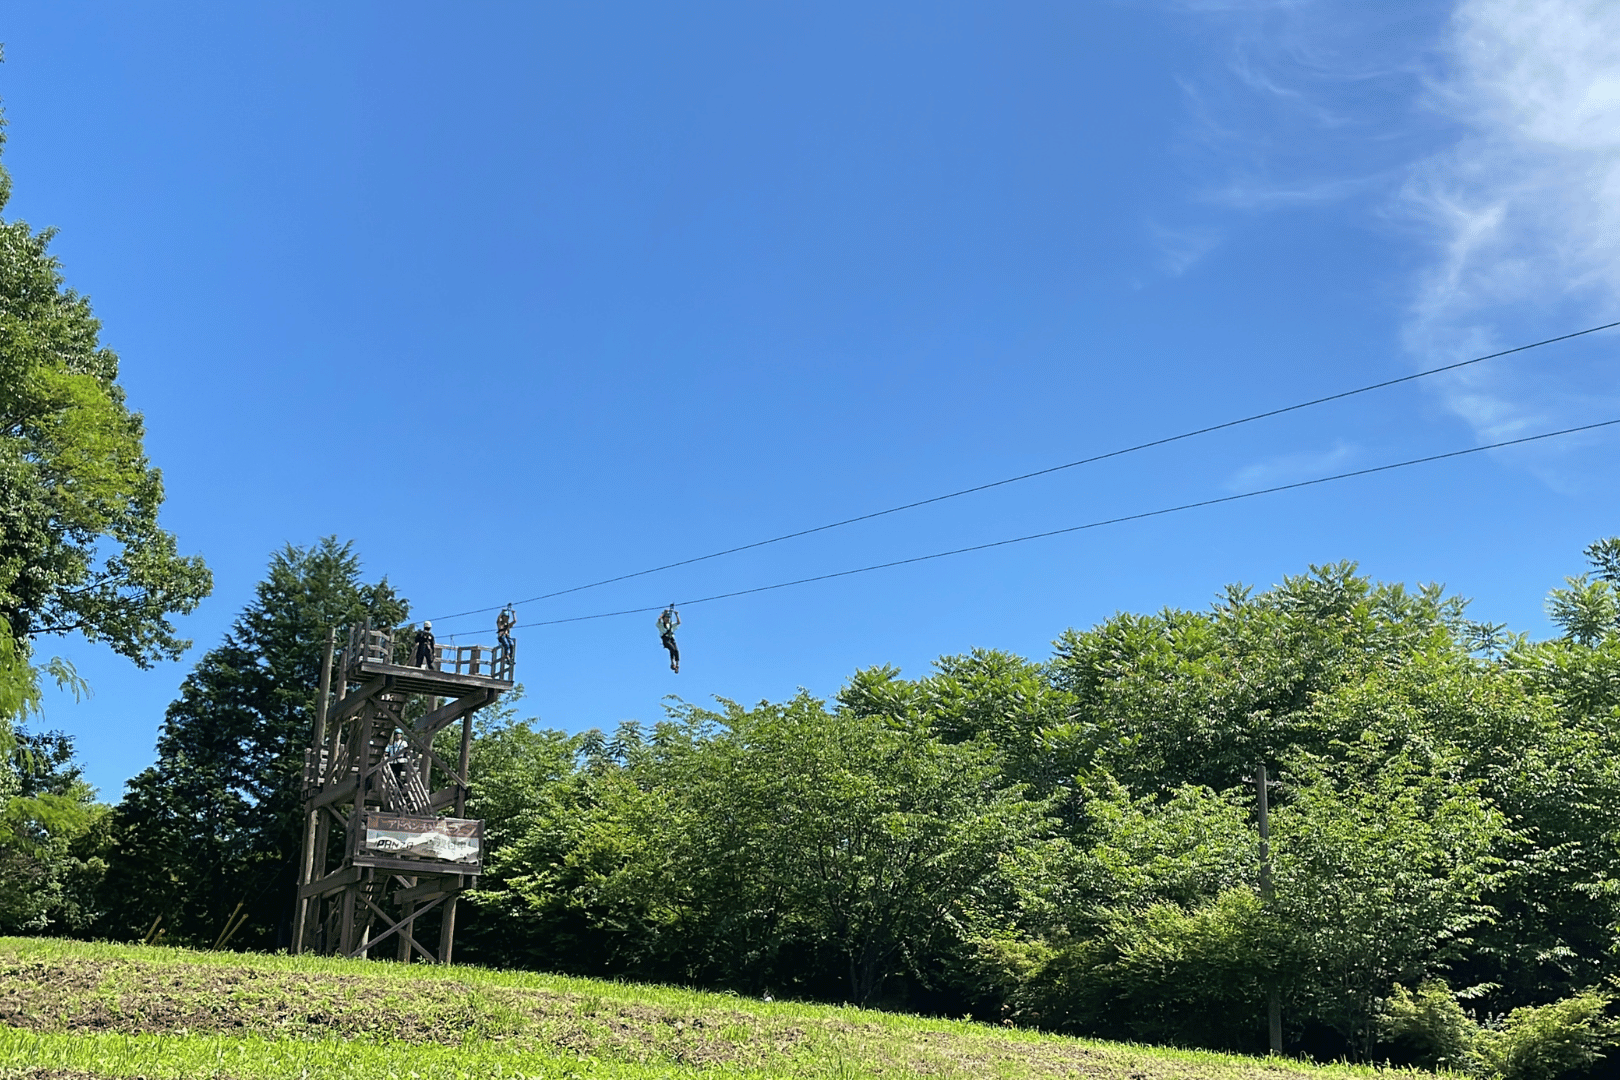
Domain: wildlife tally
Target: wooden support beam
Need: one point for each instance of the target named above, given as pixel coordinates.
(448, 714)
(323, 841)
(416, 867)
(406, 942)
(333, 794)
(346, 923)
(447, 796)
(461, 772)
(447, 931)
(431, 681)
(396, 928)
(407, 911)
(362, 754)
(337, 879)
(323, 838)
(308, 868)
(339, 816)
(445, 883)
(352, 703)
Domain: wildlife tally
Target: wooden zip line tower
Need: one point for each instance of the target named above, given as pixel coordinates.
(385, 841)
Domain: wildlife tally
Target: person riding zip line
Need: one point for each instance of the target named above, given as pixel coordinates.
(503, 628)
(667, 622)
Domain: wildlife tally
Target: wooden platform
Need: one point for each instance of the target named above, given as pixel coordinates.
(416, 680)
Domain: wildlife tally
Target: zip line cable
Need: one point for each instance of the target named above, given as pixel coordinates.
(1090, 525)
(1051, 469)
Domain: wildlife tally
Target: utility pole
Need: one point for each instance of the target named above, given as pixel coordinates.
(1268, 893)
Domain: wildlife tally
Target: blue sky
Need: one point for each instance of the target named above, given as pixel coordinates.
(522, 296)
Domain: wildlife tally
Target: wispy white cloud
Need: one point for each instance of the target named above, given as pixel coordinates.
(1305, 103)
(1524, 209)
(1181, 249)
(1266, 79)
(1254, 193)
(1287, 468)
(1288, 110)
(1487, 132)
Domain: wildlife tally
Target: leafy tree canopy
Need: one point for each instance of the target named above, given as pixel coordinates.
(80, 550)
(1072, 844)
(50, 833)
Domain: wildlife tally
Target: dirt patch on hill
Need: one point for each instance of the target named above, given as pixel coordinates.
(114, 992)
(89, 996)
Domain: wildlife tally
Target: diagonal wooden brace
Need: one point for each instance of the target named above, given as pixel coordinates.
(446, 714)
(397, 927)
(352, 703)
(425, 746)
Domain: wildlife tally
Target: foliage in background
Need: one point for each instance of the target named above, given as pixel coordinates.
(1070, 845)
(1542, 1042)
(782, 847)
(1431, 1030)
(1444, 809)
(51, 829)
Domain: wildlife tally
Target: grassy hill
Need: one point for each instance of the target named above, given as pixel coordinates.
(70, 1010)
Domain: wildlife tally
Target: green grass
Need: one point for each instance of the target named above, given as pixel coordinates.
(71, 1010)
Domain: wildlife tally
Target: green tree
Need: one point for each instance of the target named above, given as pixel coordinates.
(1383, 866)
(872, 840)
(216, 820)
(1523, 730)
(783, 847)
(533, 800)
(50, 833)
(1586, 610)
(1159, 931)
(1559, 1039)
(1161, 972)
(80, 551)
(1145, 924)
(1003, 702)
(1604, 555)
(1186, 697)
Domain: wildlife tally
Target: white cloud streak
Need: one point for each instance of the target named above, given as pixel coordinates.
(1304, 103)
(1486, 132)
(1524, 209)
(1181, 249)
(1287, 468)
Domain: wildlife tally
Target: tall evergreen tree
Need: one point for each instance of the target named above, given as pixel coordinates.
(215, 822)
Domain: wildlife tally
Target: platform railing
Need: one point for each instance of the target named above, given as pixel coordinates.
(490, 661)
(367, 643)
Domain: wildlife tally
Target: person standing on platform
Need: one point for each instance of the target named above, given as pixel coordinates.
(426, 654)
